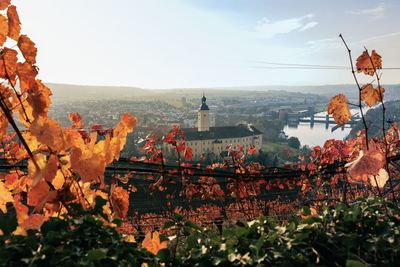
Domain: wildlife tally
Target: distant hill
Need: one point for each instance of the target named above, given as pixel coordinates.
(69, 92)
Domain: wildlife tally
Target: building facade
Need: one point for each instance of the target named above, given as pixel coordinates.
(206, 140)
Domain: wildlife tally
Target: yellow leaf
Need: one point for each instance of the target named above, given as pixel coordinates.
(339, 109)
(5, 197)
(371, 95)
(381, 178)
(152, 243)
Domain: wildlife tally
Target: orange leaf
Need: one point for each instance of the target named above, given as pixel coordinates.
(188, 153)
(8, 63)
(34, 221)
(120, 201)
(368, 163)
(153, 244)
(48, 132)
(21, 209)
(39, 99)
(27, 75)
(38, 194)
(4, 4)
(27, 48)
(3, 29)
(5, 197)
(14, 25)
(3, 125)
(76, 120)
(371, 95)
(252, 150)
(364, 64)
(339, 109)
(88, 165)
(50, 170)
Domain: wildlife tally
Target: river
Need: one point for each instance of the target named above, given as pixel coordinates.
(318, 134)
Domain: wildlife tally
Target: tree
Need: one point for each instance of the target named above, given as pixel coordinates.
(294, 142)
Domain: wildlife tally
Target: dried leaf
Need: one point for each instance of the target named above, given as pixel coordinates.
(27, 48)
(368, 163)
(3, 29)
(14, 24)
(8, 63)
(152, 242)
(364, 64)
(339, 109)
(39, 99)
(4, 4)
(27, 76)
(371, 95)
(120, 201)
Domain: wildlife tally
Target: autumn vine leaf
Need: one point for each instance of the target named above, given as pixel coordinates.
(188, 153)
(339, 109)
(8, 66)
(119, 201)
(27, 48)
(4, 4)
(3, 29)
(14, 24)
(364, 64)
(152, 242)
(371, 95)
(27, 74)
(367, 164)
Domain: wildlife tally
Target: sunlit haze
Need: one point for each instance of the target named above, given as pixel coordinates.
(174, 44)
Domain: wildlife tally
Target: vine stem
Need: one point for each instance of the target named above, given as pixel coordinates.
(10, 119)
(378, 80)
(359, 90)
(13, 87)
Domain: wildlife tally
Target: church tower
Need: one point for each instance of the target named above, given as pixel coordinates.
(203, 116)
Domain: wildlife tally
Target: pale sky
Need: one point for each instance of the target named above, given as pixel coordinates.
(206, 43)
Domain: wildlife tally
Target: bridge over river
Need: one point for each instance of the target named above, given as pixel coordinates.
(309, 116)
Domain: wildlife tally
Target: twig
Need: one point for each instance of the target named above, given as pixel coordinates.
(378, 79)
(359, 90)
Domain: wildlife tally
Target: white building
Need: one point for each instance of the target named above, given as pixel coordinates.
(214, 140)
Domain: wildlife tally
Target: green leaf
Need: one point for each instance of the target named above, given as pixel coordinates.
(100, 202)
(354, 263)
(192, 225)
(97, 254)
(8, 223)
(164, 254)
(168, 224)
(178, 217)
(306, 211)
(191, 242)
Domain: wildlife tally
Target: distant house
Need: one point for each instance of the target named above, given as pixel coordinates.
(205, 139)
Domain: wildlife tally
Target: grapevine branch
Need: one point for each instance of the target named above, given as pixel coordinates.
(359, 89)
(383, 121)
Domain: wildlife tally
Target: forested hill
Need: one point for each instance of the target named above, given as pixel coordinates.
(374, 119)
(69, 92)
